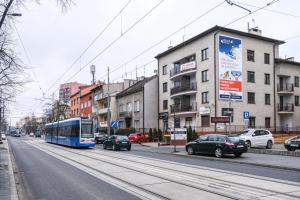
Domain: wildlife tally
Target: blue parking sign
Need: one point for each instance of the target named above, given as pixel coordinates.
(246, 115)
(114, 124)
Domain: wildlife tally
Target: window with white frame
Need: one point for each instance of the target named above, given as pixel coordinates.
(121, 108)
(129, 107)
(137, 106)
(136, 124)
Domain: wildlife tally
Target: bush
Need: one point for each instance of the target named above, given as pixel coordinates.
(189, 134)
(159, 135)
(155, 134)
(150, 134)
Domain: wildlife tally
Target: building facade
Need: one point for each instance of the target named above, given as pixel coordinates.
(66, 90)
(86, 97)
(75, 104)
(137, 105)
(224, 72)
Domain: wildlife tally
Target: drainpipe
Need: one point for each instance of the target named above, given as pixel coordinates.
(215, 76)
(274, 89)
(158, 93)
(144, 110)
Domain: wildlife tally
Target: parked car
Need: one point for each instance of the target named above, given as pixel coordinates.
(3, 136)
(100, 137)
(117, 142)
(218, 145)
(257, 138)
(31, 134)
(138, 137)
(293, 143)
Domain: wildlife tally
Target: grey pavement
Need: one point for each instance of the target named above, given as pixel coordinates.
(7, 182)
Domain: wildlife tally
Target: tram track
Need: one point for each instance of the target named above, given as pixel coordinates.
(215, 184)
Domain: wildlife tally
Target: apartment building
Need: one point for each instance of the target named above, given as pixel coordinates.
(137, 105)
(75, 104)
(226, 72)
(101, 101)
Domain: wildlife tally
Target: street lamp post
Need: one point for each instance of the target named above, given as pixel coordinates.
(172, 107)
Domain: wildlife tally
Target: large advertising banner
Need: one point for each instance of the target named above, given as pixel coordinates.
(230, 68)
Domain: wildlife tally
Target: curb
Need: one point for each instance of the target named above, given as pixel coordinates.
(275, 152)
(225, 160)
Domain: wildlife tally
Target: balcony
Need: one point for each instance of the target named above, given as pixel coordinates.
(184, 69)
(287, 88)
(103, 111)
(125, 114)
(286, 108)
(185, 109)
(185, 89)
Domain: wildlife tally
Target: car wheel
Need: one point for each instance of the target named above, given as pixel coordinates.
(269, 144)
(128, 148)
(237, 155)
(190, 150)
(248, 144)
(104, 146)
(291, 149)
(218, 153)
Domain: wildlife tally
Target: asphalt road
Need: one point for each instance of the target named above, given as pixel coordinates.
(251, 169)
(46, 178)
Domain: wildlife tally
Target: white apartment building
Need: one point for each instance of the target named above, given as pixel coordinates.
(226, 72)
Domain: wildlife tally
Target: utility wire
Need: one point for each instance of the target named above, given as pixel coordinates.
(92, 42)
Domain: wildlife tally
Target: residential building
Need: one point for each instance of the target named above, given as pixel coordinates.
(66, 90)
(226, 72)
(101, 100)
(137, 105)
(86, 96)
(75, 103)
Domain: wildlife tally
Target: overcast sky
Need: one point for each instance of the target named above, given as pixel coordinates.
(54, 40)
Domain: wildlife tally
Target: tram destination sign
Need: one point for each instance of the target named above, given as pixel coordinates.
(219, 119)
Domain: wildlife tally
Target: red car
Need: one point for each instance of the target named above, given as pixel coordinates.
(138, 137)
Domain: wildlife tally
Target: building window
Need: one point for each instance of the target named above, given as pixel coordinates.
(204, 97)
(296, 100)
(250, 55)
(137, 124)
(82, 106)
(296, 81)
(267, 99)
(165, 87)
(176, 83)
(267, 79)
(164, 70)
(205, 120)
(121, 108)
(267, 122)
(129, 107)
(251, 97)
(165, 104)
(137, 106)
(267, 58)
(89, 103)
(204, 54)
(251, 77)
(204, 75)
(251, 122)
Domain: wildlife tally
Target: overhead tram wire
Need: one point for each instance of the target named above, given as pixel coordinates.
(165, 38)
(92, 42)
(27, 56)
(114, 41)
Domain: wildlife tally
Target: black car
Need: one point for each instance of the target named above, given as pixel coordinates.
(117, 142)
(293, 143)
(100, 137)
(218, 145)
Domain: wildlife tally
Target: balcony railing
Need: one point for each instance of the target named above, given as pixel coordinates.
(286, 107)
(125, 114)
(183, 68)
(184, 88)
(288, 87)
(184, 108)
(103, 110)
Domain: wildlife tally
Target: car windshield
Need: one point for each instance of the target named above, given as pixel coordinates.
(121, 137)
(244, 132)
(233, 138)
(86, 130)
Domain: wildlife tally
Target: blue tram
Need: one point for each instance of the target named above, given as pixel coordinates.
(75, 132)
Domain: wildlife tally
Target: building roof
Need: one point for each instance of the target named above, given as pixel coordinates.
(280, 60)
(75, 94)
(218, 28)
(137, 87)
(87, 90)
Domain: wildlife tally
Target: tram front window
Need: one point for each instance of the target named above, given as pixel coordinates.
(86, 130)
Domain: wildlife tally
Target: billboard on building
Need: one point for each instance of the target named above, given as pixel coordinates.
(230, 68)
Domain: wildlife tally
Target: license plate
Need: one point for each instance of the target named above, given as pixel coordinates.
(294, 145)
(124, 142)
(240, 146)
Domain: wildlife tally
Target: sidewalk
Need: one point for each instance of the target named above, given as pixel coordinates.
(7, 181)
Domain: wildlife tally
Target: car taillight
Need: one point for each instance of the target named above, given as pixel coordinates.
(229, 144)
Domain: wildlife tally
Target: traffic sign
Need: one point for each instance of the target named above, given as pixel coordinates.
(219, 119)
(114, 124)
(246, 115)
